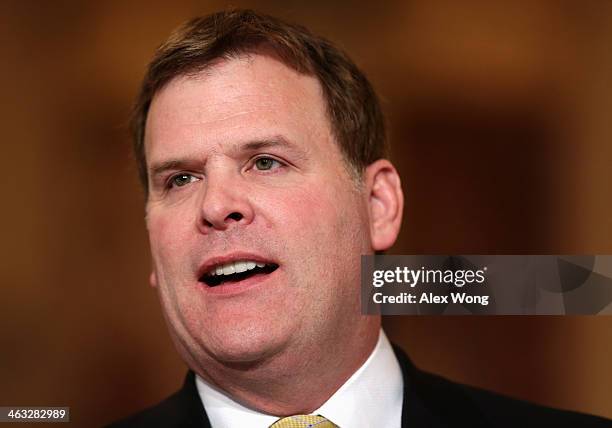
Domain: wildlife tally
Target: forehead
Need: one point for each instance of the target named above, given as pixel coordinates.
(249, 96)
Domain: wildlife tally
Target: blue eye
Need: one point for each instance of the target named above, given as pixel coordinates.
(266, 163)
(181, 180)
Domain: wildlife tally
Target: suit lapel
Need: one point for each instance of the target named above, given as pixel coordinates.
(434, 402)
(415, 413)
(192, 410)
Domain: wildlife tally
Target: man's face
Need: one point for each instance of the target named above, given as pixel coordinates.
(243, 168)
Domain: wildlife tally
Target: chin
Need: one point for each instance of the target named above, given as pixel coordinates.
(242, 355)
(246, 345)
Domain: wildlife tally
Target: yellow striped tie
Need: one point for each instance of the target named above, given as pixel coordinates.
(303, 421)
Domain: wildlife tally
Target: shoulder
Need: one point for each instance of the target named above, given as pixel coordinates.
(497, 410)
(446, 403)
(182, 409)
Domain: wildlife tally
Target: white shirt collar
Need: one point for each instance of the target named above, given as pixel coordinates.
(372, 396)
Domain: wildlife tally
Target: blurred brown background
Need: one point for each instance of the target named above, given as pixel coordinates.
(500, 123)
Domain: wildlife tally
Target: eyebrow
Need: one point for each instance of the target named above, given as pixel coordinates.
(169, 165)
(275, 141)
(250, 146)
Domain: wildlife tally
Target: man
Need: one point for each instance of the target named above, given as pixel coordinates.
(261, 148)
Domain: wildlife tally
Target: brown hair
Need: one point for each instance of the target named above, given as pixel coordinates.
(354, 111)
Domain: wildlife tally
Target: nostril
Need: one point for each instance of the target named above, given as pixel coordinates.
(235, 216)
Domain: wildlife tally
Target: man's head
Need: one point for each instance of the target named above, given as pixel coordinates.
(246, 168)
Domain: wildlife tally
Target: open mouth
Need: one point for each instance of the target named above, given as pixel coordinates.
(237, 271)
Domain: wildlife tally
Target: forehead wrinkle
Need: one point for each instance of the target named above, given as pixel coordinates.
(200, 114)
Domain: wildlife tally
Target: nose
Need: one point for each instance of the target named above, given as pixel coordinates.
(225, 203)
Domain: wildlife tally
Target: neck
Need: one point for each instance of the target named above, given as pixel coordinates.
(297, 380)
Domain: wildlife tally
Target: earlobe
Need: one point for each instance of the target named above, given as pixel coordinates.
(385, 202)
(153, 279)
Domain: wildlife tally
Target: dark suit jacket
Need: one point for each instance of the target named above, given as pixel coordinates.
(429, 401)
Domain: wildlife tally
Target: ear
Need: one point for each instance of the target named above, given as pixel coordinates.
(153, 279)
(385, 203)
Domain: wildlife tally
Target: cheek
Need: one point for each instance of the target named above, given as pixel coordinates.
(167, 238)
(324, 229)
(303, 212)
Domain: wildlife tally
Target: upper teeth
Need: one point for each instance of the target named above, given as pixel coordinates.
(234, 267)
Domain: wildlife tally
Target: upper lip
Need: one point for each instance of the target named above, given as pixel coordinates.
(212, 262)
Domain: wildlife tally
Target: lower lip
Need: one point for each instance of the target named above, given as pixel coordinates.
(232, 288)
